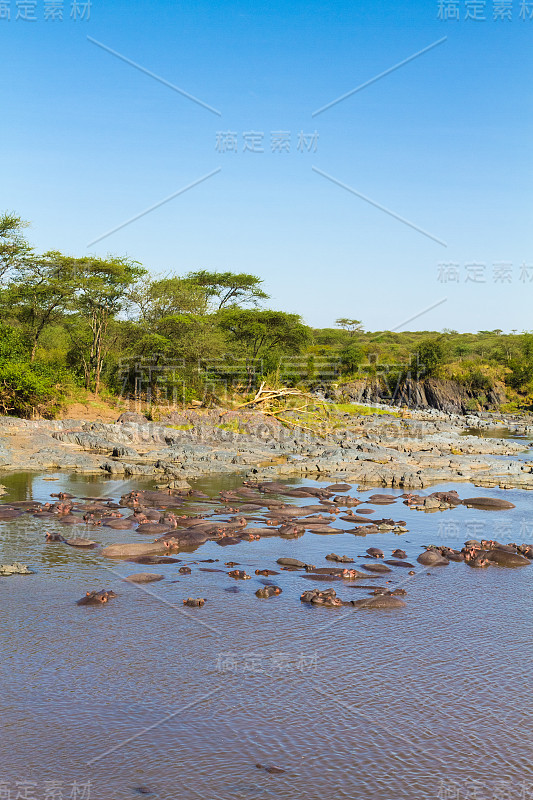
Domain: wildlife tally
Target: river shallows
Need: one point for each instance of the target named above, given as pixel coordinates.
(144, 696)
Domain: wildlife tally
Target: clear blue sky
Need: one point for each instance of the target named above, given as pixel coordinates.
(444, 141)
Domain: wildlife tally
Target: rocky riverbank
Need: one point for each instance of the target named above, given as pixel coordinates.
(422, 394)
(381, 450)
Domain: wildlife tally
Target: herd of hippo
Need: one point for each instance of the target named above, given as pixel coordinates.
(255, 511)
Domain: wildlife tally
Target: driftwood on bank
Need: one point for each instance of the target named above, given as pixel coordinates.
(270, 403)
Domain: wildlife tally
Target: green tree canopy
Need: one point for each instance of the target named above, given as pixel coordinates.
(100, 294)
(258, 335)
(14, 248)
(229, 288)
(152, 300)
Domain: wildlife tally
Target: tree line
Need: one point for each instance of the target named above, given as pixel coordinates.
(70, 324)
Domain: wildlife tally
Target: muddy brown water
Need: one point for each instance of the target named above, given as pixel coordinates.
(144, 697)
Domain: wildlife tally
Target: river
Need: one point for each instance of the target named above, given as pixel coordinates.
(144, 698)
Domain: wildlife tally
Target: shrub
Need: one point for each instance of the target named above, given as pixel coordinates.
(27, 389)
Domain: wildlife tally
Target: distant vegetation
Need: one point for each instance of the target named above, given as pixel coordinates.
(103, 326)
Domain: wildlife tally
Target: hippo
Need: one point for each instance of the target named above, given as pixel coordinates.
(325, 570)
(339, 487)
(379, 601)
(266, 572)
(430, 558)
(293, 562)
(96, 598)
(71, 519)
(452, 555)
(395, 562)
(144, 577)
(194, 602)
(382, 499)
(55, 537)
(399, 554)
(134, 550)
(376, 568)
(375, 552)
(352, 574)
(119, 524)
(290, 531)
(262, 531)
(326, 598)
(450, 498)
(503, 558)
(339, 559)
(526, 550)
(9, 513)
(239, 575)
(83, 543)
(325, 530)
(363, 530)
(158, 499)
(154, 560)
(267, 592)
(478, 561)
(155, 528)
(488, 503)
(184, 570)
(226, 541)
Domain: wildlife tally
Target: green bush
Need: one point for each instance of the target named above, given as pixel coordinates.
(27, 389)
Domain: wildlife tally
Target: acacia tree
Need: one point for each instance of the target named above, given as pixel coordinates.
(101, 287)
(258, 334)
(229, 288)
(152, 300)
(42, 292)
(13, 246)
(353, 326)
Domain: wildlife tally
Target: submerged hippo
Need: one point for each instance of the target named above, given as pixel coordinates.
(432, 559)
(134, 550)
(97, 598)
(87, 544)
(267, 592)
(380, 601)
(144, 577)
(399, 554)
(293, 562)
(503, 558)
(376, 568)
(194, 602)
(339, 559)
(326, 598)
(488, 503)
(239, 575)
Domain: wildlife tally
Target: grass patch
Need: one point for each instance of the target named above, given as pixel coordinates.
(233, 426)
(363, 411)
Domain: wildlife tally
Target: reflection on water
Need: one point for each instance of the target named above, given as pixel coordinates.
(493, 433)
(142, 695)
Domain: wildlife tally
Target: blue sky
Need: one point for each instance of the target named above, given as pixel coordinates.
(443, 142)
